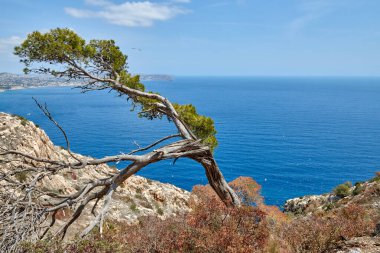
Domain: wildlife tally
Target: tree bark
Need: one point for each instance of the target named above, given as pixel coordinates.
(217, 181)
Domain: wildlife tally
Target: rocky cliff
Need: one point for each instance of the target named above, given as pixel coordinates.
(137, 197)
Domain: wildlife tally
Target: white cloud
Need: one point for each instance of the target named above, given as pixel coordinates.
(80, 13)
(311, 10)
(132, 14)
(7, 44)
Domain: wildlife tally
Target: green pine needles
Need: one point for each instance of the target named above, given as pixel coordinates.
(202, 126)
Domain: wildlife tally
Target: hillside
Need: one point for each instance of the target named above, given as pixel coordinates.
(138, 197)
(362, 195)
(149, 216)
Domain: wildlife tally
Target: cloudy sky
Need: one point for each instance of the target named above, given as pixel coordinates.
(213, 37)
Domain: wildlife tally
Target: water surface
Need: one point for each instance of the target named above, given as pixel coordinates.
(295, 136)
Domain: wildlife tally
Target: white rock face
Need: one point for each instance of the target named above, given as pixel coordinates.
(136, 198)
(306, 204)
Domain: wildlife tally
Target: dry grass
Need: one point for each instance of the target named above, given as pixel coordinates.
(211, 227)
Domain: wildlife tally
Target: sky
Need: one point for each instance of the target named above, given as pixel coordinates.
(212, 37)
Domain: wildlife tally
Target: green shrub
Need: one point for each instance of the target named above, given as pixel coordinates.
(359, 187)
(140, 196)
(146, 204)
(24, 121)
(159, 210)
(343, 190)
(134, 208)
(328, 206)
(22, 176)
(376, 178)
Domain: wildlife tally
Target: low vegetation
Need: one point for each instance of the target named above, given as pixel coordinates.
(322, 232)
(212, 227)
(23, 120)
(343, 190)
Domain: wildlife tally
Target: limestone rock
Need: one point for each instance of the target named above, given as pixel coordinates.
(137, 197)
(308, 204)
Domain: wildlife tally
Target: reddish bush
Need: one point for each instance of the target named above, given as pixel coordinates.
(248, 190)
(320, 232)
(212, 227)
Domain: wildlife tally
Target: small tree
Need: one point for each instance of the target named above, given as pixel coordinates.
(100, 65)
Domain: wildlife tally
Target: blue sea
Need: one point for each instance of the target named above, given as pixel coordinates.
(294, 136)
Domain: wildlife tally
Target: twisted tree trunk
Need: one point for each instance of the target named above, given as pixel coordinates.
(217, 181)
(100, 65)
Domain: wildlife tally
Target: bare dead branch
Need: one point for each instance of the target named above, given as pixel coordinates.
(154, 144)
(45, 110)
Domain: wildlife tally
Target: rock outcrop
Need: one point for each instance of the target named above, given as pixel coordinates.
(137, 197)
(364, 194)
(309, 204)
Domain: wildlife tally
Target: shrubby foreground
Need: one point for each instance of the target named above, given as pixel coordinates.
(254, 227)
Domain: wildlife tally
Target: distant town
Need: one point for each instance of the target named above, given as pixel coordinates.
(9, 81)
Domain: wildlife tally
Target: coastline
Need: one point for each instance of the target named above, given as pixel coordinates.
(12, 88)
(9, 81)
(2, 90)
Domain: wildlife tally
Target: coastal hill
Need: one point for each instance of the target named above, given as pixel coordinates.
(147, 214)
(9, 81)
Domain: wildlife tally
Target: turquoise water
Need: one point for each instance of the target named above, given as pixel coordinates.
(295, 136)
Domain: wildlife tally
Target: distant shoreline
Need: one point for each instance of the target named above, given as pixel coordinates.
(9, 81)
(2, 90)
